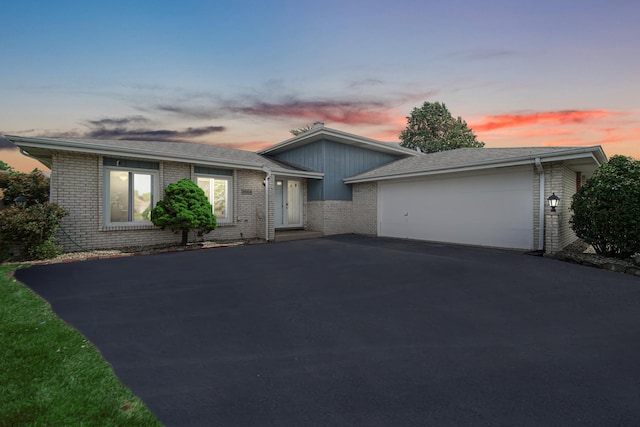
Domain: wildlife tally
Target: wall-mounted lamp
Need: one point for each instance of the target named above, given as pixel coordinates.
(20, 201)
(553, 201)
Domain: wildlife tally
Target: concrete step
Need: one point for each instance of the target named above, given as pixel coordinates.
(286, 235)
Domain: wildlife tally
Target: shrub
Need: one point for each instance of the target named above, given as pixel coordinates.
(33, 186)
(30, 230)
(185, 207)
(606, 210)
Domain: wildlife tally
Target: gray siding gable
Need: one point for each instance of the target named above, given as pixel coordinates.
(337, 161)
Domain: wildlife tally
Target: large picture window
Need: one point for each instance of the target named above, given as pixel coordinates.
(130, 194)
(219, 191)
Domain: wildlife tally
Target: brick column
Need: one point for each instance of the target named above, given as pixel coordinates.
(552, 233)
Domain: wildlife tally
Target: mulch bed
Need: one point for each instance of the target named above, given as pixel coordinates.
(575, 253)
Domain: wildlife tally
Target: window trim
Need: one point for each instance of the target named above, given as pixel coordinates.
(230, 195)
(155, 194)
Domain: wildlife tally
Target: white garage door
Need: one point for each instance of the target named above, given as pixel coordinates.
(487, 209)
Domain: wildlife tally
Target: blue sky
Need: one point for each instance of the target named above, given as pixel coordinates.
(242, 74)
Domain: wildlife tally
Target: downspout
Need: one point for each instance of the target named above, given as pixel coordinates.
(266, 201)
(542, 204)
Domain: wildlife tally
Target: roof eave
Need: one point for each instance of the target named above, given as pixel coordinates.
(316, 134)
(438, 171)
(595, 153)
(79, 147)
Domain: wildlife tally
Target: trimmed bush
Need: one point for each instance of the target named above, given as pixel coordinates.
(606, 210)
(185, 207)
(28, 232)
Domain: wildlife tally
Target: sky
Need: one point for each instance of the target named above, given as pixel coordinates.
(242, 74)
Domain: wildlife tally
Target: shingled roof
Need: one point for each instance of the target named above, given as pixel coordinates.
(472, 158)
(186, 152)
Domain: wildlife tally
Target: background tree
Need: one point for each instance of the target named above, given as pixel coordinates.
(28, 232)
(432, 128)
(33, 186)
(185, 207)
(606, 210)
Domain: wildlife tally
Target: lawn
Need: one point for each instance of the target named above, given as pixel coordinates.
(50, 374)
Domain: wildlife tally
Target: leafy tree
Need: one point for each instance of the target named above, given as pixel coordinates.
(33, 186)
(606, 210)
(432, 128)
(185, 207)
(5, 167)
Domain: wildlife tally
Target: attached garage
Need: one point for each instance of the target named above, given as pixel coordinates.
(488, 208)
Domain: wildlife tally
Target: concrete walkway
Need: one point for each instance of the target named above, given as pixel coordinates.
(349, 331)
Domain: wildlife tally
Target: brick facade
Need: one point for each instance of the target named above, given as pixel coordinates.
(345, 216)
(365, 208)
(561, 180)
(330, 216)
(77, 183)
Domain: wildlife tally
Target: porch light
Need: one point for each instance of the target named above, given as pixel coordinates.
(553, 201)
(20, 201)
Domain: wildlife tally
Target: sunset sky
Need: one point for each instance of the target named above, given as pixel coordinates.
(242, 74)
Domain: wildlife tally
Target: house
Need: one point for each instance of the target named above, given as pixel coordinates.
(323, 180)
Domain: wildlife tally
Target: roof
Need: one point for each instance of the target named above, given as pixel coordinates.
(463, 159)
(319, 132)
(42, 149)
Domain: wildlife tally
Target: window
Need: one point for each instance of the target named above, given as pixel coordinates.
(130, 195)
(219, 191)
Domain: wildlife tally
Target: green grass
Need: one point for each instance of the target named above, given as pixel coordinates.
(50, 374)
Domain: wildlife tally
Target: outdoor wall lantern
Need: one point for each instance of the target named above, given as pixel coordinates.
(553, 201)
(20, 201)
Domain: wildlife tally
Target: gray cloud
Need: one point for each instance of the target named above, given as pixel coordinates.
(336, 111)
(5, 143)
(194, 112)
(136, 128)
(481, 54)
(122, 121)
(144, 134)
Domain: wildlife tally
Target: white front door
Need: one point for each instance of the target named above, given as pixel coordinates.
(288, 203)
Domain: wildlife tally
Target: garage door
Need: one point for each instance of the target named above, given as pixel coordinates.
(487, 209)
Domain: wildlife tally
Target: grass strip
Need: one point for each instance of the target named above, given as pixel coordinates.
(50, 374)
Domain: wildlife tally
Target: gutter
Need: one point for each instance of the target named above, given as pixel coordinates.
(540, 169)
(570, 154)
(78, 147)
(24, 153)
(266, 201)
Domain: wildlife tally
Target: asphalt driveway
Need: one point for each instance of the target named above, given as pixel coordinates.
(359, 331)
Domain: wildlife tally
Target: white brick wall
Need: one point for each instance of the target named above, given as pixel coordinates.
(561, 180)
(365, 208)
(338, 217)
(330, 216)
(314, 216)
(77, 185)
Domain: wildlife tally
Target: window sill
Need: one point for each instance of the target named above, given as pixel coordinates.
(128, 227)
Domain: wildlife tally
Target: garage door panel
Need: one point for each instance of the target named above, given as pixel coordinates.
(490, 209)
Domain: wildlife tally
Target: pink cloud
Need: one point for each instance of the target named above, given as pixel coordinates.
(248, 145)
(490, 123)
(345, 112)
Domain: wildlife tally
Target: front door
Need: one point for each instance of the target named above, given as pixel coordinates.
(288, 203)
